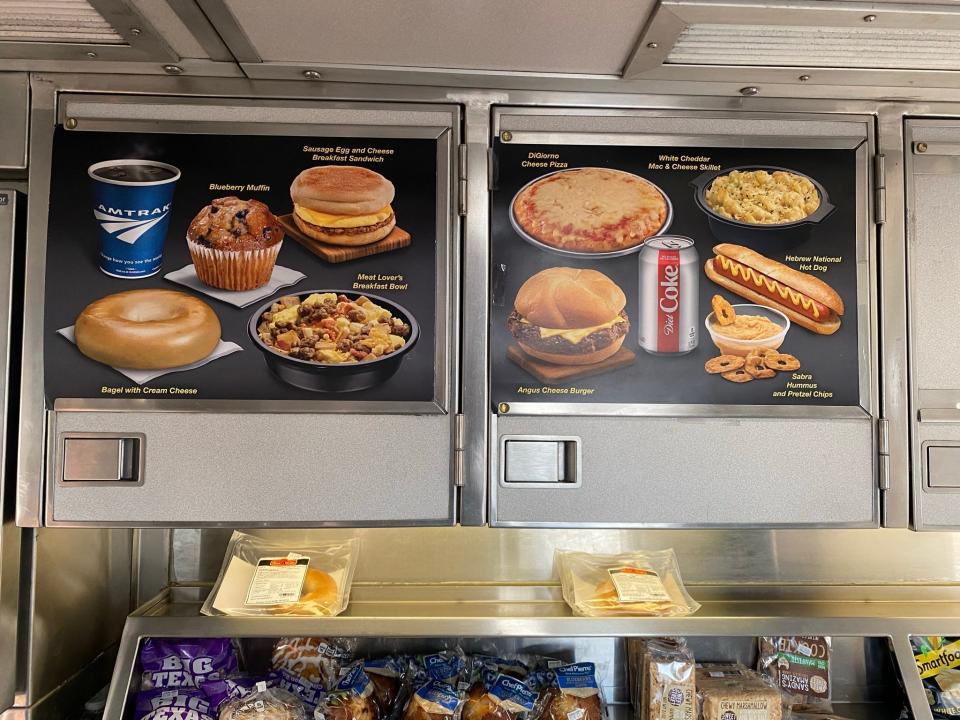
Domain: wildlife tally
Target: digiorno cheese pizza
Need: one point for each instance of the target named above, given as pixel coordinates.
(591, 210)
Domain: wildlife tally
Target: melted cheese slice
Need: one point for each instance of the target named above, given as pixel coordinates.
(752, 277)
(576, 335)
(323, 219)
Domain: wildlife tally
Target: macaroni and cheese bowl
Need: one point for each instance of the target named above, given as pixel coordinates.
(770, 205)
(333, 340)
(755, 326)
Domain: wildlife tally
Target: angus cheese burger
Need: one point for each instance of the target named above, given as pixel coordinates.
(569, 316)
(343, 204)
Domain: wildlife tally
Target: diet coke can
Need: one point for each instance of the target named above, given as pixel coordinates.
(669, 292)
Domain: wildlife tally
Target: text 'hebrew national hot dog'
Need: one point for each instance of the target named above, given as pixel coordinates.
(806, 300)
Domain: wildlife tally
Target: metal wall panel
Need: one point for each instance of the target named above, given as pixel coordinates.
(14, 115)
(686, 467)
(191, 482)
(704, 472)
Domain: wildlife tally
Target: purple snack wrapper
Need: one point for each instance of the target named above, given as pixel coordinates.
(173, 704)
(185, 662)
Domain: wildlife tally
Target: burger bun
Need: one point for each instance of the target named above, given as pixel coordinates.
(341, 190)
(567, 298)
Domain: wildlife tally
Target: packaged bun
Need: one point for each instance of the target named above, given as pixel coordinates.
(352, 698)
(633, 583)
(506, 698)
(171, 704)
(264, 703)
(262, 577)
(185, 662)
(387, 675)
(309, 666)
(436, 700)
(573, 695)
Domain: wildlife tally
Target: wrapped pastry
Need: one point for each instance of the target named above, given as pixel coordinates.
(352, 698)
(307, 666)
(387, 676)
(506, 698)
(171, 704)
(436, 700)
(725, 689)
(573, 695)
(264, 703)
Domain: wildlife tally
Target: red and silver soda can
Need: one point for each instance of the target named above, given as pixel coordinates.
(669, 295)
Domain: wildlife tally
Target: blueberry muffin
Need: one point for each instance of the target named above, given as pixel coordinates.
(234, 243)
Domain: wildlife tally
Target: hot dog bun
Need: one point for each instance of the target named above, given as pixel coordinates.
(807, 284)
(824, 327)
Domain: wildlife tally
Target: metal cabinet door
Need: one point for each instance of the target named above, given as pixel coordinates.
(623, 460)
(932, 162)
(296, 458)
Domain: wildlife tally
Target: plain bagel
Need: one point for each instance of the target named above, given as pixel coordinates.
(147, 329)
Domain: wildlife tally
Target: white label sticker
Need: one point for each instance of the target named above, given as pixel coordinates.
(277, 580)
(638, 585)
(576, 714)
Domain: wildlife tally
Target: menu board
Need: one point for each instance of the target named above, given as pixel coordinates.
(690, 275)
(247, 267)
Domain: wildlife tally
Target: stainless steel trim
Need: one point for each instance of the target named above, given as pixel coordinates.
(923, 480)
(475, 319)
(675, 410)
(705, 140)
(59, 451)
(939, 415)
(230, 30)
(933, 149)
(655, 43)
(14, 119)
(32, 418)
(193, 17)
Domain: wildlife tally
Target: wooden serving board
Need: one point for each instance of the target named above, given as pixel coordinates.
(555, 374)
(398, 238)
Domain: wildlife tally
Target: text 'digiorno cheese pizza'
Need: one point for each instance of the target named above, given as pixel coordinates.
(590, 210)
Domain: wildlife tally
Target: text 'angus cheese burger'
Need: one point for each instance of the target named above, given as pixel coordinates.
(807, 300)
(343, 204)
(569, 316)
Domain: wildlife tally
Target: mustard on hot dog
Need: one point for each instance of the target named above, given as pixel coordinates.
(805, 299)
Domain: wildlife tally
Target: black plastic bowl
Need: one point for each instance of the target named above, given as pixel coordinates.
(336, 377)
(759, 236)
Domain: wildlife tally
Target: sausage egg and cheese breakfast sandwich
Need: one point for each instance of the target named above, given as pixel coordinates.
(569, 316)
(343, 204)
(807, 300)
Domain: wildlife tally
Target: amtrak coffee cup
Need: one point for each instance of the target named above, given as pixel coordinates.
(132, 204)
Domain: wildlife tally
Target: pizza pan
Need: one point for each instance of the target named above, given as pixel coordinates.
(588, 255)
(336, 377)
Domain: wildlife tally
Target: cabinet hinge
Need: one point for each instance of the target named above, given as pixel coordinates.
(879, 189)
(462, 179)
(458, 422)
(883, 453)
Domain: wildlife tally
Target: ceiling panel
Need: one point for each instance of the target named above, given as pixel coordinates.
(564, 36)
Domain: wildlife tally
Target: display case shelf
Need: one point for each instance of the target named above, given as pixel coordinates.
(537, 611)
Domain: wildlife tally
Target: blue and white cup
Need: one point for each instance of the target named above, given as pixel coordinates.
(132, 204)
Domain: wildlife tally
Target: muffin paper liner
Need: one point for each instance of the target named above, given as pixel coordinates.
(234, 269)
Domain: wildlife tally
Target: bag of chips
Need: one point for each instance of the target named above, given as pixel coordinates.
(172, 704)
(262, 577)
(185, 662)
(938, 661)
(633, 583)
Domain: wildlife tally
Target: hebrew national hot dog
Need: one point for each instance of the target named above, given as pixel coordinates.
(808, 301)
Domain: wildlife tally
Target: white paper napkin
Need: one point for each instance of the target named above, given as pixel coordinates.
(281, 277)
(144, 376)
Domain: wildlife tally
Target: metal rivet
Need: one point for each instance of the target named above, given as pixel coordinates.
(506, 136)
(750, 90)
(653, 45)
(135, 31)
(503, 408)
(173, 69)
(869, 18)
(921, 147)
(91, 54)
(803, 78)
(312, 75)
(70, 123)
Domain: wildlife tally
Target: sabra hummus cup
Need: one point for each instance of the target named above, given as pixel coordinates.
(234, 244)
(742, 346)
